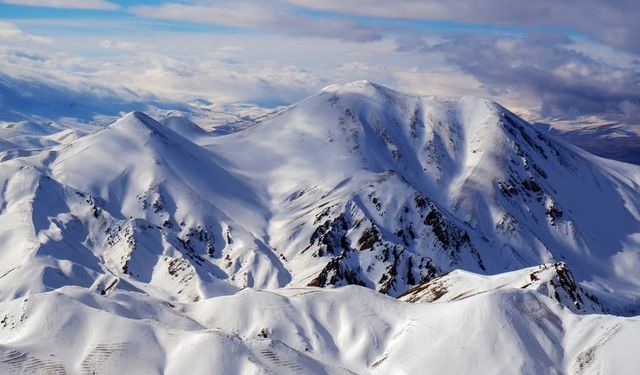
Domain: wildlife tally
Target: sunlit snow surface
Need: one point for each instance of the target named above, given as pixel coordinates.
(182, 247)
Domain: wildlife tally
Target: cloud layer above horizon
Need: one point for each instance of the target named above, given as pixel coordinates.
(575, 61)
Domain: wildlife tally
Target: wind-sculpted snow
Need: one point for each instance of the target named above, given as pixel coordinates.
(208, 249)
(308, 330)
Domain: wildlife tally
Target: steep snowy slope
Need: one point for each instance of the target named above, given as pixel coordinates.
(134, 201)
(369, 186)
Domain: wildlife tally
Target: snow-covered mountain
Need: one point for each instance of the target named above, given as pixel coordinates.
(497, 237)
(369, 186)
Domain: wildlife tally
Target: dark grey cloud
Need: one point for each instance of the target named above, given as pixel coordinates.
(614, 22)
(569, 83)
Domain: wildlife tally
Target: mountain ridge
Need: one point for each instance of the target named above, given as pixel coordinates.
(519, 160)
(281, 247)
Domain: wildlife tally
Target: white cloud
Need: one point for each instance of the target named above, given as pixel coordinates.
(11, 33)
(66, 4)
(223, 68)
(125, 45)
(262, 15)
(263, 65)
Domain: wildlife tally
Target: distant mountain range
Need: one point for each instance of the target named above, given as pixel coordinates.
(611, 141)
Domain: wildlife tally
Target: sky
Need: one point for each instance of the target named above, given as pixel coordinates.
(570, 61)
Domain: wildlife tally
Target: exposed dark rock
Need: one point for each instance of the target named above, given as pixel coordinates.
(531, 185)
(507, 189)
(337, 273)
(331, 236)
(554, 213)
(568, 283)
(369, 238)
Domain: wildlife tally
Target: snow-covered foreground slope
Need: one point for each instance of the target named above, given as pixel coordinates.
(157, 247)
(308, 330)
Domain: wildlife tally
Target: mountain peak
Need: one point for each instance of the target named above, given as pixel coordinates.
(337, 86)
(358, 92)
(136, 119)
(139, 127)
(362, 86)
